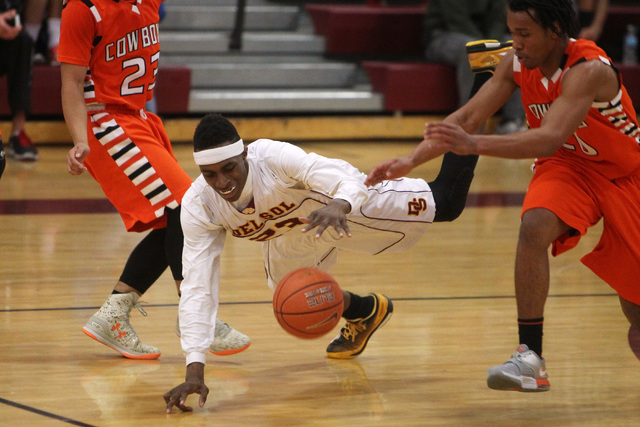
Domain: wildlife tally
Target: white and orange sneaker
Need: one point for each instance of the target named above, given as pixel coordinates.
(227, 340)
(110, 326)
(525, 371)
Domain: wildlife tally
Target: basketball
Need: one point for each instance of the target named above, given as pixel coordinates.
(308, 303)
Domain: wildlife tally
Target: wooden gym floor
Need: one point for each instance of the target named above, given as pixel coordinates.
(62, 249)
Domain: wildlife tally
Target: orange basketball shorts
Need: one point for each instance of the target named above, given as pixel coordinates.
(581, 198)
(132, 160)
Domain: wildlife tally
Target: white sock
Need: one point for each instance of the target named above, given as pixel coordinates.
(54, 31)
(33, 30)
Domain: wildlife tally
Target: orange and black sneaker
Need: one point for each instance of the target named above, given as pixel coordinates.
(485, 55)
(21, 148)
(355, 335)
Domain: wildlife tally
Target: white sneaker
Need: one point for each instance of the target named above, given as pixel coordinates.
(110, 326)
(227, 340)
(525, 371)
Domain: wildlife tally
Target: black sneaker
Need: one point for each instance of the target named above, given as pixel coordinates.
(21, 148)
(354, 336)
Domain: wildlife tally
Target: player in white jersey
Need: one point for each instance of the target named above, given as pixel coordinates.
(275, 193)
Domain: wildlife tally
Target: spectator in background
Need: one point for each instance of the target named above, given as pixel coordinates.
(591, 16)
(15, 63)
(449, 25)
(3, 160)
(44, 29)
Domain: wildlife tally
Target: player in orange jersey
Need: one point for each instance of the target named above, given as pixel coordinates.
(109, 52)
(584, 134)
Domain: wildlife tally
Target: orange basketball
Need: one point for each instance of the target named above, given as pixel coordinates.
(308, 303)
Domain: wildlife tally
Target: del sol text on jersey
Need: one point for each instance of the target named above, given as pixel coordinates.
(251, 226)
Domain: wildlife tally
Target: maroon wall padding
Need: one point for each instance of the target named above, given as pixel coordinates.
(173, 85)
(631, 81)
(363, 30)
(414, 87)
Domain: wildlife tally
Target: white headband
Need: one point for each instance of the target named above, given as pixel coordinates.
(218, 154)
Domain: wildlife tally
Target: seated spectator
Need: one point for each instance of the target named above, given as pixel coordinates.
(449, 25)
(15, 50)
(591, 16)
(42, 22)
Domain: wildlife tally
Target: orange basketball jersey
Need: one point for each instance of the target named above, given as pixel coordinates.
(131, 155)
(122, 54)
(608, 140)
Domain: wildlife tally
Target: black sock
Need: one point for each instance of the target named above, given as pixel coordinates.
(359, 307)
(530, 333)
(115, 292)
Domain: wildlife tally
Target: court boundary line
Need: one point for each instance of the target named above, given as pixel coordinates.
(473, 297)
(44, 413)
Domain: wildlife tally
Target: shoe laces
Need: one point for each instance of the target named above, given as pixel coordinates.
(139, 307)
(222, 329)
(351, 330)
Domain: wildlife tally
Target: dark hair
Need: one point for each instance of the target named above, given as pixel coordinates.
(214, 130)
(549, 12)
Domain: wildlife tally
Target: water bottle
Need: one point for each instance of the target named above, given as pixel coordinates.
(630, 46)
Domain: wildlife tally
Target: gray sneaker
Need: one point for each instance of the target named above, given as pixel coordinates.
(110, 326)
(525, 371)
(227, 340)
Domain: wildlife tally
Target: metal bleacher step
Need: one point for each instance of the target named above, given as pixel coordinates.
(291, 101)
(208, 43)
(279, 68)
(221, 18)
(270, 75)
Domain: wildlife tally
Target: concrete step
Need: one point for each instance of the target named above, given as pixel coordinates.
(284, 101)
(282, 75)
(202, 43)
(222, 18)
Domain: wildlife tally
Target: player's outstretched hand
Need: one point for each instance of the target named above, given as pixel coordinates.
(194, 383)
(450, 137)
(75, 158)
(333, 215)
(391, 169)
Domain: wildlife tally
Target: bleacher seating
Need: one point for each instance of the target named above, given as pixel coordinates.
(392, 36)
(368, 29)
(386, 37)
(172, 91)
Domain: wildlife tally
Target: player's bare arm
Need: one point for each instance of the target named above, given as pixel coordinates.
(75, 114)
(333, 215)
(194, 383)
(490, 98)
(581, 85)
(470, 117)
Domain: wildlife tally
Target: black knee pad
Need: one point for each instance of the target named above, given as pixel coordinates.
(451, 187)
(174, 242)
